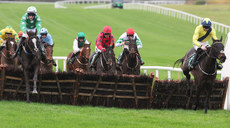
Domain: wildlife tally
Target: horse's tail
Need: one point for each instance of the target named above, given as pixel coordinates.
(181, 60)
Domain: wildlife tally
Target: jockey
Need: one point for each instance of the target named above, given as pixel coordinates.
(45, 38)
(20, 33)
(201, 36)
(30, 20)
(125, 38)
(78, 43)
(6, 33)
(104, 39)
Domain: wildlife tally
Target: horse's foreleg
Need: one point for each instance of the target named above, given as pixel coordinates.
(26, 76)
(35, 80)
(206, 103)
(197, 102)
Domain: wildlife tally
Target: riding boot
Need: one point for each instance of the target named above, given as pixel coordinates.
(72, 59)
(121, 58)
(19, 48)
(218, 65)
(92, 64)
(54, 63)
(43, 55)
(194, 61)
(139, 56)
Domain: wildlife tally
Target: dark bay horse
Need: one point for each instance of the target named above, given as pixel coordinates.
(131, 63)
(81, 61)
(30, 58)
(49, 55)
(7, 52)
(106, 62)
(205, 72)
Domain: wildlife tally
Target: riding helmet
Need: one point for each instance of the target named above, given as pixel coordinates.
(206, 22)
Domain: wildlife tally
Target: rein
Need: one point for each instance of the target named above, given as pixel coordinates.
(210, 74)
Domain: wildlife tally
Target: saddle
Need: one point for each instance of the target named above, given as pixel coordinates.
(191, 58)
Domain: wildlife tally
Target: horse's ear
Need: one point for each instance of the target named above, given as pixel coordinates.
(221, 38)
(213, 40)
(90, 43)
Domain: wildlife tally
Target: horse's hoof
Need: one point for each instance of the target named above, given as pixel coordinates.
(35, 92)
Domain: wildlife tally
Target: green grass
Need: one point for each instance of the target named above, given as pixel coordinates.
(36, 115)
(165, 39)
(219, 13)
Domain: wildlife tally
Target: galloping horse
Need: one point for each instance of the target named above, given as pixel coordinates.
(7, 52)
(205, 72)
(30, 59)
(106, 62)
(82, 60)
(49, 55)
(131, 63)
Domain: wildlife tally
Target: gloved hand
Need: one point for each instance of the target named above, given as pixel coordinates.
(103, 50)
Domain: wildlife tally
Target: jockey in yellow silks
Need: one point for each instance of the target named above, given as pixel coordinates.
(201, 36)
(6, 33)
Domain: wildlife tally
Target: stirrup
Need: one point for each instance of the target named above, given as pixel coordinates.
(219, 66)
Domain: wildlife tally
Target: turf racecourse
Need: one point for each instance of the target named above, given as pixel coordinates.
(35, 115)
(165, 39)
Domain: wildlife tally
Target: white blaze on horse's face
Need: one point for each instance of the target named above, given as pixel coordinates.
(12, 43)
(34, 40)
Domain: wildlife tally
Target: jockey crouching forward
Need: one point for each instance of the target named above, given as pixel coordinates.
(46, 39)
(104, 39)
(122, 42)
(78, 43)
(6, 33)
(30, 20)
(200, 39)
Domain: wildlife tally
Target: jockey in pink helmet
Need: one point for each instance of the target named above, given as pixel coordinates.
(104, 39)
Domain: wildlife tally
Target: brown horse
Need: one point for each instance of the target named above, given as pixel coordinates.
(205, 72)
(49, 55)
(82, 60)
(7, 52)
(131, 63)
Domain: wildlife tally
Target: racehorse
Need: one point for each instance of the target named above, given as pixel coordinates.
(81, 61)
(49, 55)
(131, 63)
(106, 62)
(30, 58)
(7, 52)
(205, 72)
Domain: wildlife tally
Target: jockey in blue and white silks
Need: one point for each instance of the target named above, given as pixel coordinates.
(45, 37)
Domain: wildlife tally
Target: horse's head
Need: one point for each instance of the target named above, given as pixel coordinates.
(31, 32)
(85, 52)
(108, 55)
(49, 51)
(11, 45)
(133, 47)
(217, 50)
(33, 43)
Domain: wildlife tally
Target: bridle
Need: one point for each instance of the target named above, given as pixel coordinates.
(31, 50)
(214, 57)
